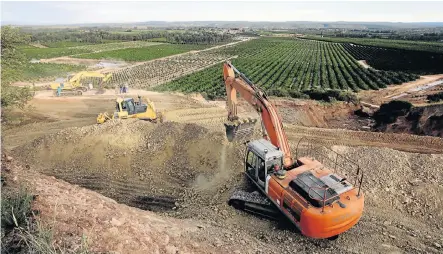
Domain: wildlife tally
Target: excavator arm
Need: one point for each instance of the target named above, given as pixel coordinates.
(271, 120)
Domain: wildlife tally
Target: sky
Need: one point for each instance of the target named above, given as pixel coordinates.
(50, 13)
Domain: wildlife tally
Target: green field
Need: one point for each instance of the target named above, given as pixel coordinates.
(143, 54)
(290, 67)
(37, 71)
(64, 44)
(42, 53)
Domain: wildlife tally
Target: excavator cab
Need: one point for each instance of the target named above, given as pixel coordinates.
(262, 160)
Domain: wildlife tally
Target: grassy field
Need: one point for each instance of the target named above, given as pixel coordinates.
(64, 44)
(41, 70)
(38, 71)
(41, 53)
(289, 67)
(143, 54)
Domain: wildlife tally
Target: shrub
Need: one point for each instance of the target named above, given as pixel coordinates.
(280, 92)
(389, 112)
(16, 209)
(298, 94)
(331, 95)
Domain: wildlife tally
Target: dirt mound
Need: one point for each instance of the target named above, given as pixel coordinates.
(149, 166)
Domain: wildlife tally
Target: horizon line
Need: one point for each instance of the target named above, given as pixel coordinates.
(189, 21)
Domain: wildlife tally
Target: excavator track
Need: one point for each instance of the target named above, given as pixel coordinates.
(69, 93)
(255, 203)
(152, 203)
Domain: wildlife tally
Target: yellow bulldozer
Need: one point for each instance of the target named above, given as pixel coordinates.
(128, 108)
(74, 85)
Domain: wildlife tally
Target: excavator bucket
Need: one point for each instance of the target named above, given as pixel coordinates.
(240, 129)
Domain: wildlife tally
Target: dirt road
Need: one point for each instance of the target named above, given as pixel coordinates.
(383, 95)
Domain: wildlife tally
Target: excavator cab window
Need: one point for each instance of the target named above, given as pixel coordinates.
(250, 164)
(124, 107)
(261, 169)
(131, 107)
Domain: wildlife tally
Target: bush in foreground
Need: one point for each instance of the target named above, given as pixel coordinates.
(21, 233)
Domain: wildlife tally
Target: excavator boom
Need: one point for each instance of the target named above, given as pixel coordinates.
(74, 85)
(258, 99)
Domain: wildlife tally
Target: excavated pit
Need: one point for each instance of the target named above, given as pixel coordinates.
(152, 167)
(187, 171)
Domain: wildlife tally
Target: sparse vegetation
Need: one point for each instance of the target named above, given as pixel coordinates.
(16, 210)
(22, 232)
(12, 65)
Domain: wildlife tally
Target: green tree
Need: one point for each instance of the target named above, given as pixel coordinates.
(12, 61)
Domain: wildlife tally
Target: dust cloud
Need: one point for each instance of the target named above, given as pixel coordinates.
(203, 182)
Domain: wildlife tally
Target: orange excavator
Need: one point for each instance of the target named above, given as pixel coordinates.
(318, 201)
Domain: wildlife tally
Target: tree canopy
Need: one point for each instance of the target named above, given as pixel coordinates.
(12, 61)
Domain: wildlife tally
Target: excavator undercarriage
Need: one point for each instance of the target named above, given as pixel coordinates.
(255, 203)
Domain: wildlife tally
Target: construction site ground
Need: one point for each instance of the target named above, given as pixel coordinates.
(138, 187)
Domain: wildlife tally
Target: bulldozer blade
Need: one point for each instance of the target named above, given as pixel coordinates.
(240, 129)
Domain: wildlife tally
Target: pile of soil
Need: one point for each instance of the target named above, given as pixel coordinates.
(153, 167)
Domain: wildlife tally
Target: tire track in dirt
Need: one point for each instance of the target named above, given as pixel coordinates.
(213, 119)
(402, 142)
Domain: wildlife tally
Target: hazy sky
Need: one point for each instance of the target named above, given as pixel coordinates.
(116, 12)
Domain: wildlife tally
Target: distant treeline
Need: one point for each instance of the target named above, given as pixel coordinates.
(383, 34)
(88, 36)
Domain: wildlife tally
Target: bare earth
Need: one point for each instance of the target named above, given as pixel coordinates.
(186, 158)
(381, 96)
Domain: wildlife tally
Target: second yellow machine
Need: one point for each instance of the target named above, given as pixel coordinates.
(128, 108)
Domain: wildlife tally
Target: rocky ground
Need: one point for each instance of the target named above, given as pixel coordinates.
(137, 187)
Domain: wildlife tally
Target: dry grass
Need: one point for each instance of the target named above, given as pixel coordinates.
(23, 233)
